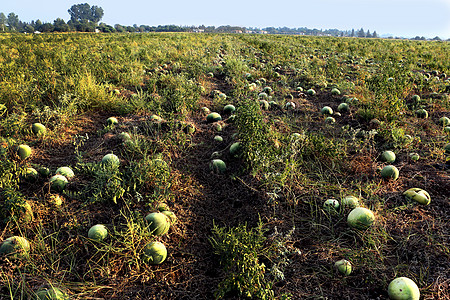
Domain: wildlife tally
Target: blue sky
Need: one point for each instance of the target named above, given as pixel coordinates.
(406, 18)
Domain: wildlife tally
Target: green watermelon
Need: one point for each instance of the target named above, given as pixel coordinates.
(343, 107)
(15, 247)
(418, 195)
(98, 232)
(343, 266)
(235, 148)
(350, 201)
(159, 223)
(24, 151)
(218, 166)
(112, 121)
(360, 218)
(390, 172)
(66, 172)
(111, 159)
(38, 129)
(403, 288)
(155, 253)
(213, 117)
(52, 293)
(229, 109)
(58, 182)
(388, 156)
(331, 205)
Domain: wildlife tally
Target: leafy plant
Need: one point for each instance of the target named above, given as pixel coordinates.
(239, 250)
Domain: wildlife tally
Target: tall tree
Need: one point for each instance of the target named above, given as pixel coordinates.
(60, 25)
(361, 33)
(374, 34)
(13, 21)
(2, 21)
(368, 35)
(84, 12)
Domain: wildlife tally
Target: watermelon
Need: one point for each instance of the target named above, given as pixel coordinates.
(289, 105)
(326, 110)
(335, 92)
(390, 172)
(205, 110)
(111, 159)
(98, 232)
(159, 223)
(444, 121)
(360, 218)
(213, 117)
(218, 166)
(414, 156)
(24, 151)
(31, 174)
(415, 98)
(264, 104)
(350, 201)
(66, 172)
(388, 156)
(311, 92)
(15, 247)
(403, 288)
(343, 266)
(112, 121)
(52, 293)
(263, 96)
(418, 195)
(155, 253)
(268, 90)
(343, 107)
(58, 182)
(124, 136)
(229, 109)
(331, 205)
(38, 129)
(422, 113)
(235, 148)
(330, 120)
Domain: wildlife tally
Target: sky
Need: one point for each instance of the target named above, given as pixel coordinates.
(402, 18)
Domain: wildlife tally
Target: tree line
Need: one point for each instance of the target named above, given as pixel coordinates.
(86, 18)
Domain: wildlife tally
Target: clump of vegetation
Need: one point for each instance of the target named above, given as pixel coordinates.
(239, 250)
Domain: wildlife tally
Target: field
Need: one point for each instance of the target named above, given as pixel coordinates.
(257, 229)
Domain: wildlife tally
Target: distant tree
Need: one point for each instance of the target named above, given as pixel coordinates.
(60, 25)
(46, 27)
(37, 25)
(13, 21)
(28, 28)
(361, 33)
(3, 21)
(375, 35)
(436, 38)
(368, 35)
(84, 12)
(119, 28)
(105, 28)
(353, 33)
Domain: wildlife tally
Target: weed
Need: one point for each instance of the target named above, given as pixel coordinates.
(239, 250)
